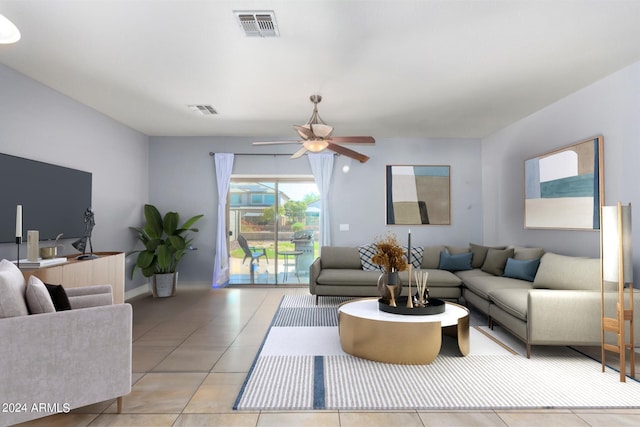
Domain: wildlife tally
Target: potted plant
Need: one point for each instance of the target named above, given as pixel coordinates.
(165, 243)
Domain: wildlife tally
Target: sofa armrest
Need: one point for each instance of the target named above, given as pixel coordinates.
(90, 296)
(314, 272)
(570, 316)
(563, 316)
(67, 359)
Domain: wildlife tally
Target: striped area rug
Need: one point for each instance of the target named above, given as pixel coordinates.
(302, 367)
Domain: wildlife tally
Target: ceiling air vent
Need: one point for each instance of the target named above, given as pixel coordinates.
(205, 110)
(257, 23)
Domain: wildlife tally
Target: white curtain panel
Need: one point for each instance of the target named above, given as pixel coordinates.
(224, 165)
(322, 168)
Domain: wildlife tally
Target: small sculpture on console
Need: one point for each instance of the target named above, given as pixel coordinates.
(81, 243)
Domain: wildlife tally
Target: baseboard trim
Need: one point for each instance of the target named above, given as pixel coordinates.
(140, 290)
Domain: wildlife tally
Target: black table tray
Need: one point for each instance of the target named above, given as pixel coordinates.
(434, 306)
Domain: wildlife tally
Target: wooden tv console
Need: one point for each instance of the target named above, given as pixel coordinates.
(106, 269)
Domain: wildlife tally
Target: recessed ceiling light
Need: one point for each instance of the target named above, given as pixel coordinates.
(9, 33)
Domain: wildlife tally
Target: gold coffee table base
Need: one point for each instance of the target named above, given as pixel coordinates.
(405, 340)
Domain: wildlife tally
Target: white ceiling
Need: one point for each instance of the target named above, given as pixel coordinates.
(391, 68)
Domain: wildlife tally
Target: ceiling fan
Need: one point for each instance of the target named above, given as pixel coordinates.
(316, 137)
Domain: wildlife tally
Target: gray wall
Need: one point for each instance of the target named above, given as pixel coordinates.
(39, 123)
(182, 178)
(177, 173)
(609, 107)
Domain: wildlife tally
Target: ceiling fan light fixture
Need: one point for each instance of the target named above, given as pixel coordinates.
(9, 33)
(315, 145)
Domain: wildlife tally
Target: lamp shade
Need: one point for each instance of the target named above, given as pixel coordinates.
(315, 145)
(615, 232)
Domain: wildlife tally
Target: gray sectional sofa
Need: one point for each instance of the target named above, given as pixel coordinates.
(541, 298)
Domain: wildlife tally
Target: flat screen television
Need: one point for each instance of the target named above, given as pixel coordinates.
(53, 198)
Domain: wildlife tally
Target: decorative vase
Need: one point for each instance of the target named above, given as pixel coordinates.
(389, 286)
(164, 285)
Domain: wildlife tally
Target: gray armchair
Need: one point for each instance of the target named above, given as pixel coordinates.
(57, 361)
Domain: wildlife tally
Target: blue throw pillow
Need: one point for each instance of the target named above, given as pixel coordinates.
(457, 262)
(524, 269)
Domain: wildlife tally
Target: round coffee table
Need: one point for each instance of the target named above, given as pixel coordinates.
(371, 334)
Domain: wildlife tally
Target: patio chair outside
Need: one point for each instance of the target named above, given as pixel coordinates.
(251, 252)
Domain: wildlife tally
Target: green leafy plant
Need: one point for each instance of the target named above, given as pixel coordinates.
(164, 240)
(297, 226)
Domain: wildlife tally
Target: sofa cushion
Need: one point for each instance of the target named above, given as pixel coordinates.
(38, 298)
(437, 278)
(12, 291)
(527, 253)
(468, 274)
(366, 253)
(567, 272)
(513, 301)
(431, 256)
(496, 260)
(521, 268)
(455, 250)
(482, 285)
(455, 262)
(332, 276)
(340, 257)
(59, 297)
(480, 254)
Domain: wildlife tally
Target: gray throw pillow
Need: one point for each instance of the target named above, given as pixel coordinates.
(12, 291)
(528, 253)
(38, 297)
(480, 254)
(496, 260)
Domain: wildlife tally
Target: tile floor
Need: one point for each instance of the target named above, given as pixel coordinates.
(191, 354)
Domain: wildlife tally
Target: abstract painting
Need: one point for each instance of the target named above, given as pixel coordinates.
(564, 188)
(418, 195)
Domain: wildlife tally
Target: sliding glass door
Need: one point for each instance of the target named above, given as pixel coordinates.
(273, 230)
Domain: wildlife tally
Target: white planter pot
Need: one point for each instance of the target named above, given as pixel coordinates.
(164, 285)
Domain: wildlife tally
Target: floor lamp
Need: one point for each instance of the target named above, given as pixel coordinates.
(617, 267)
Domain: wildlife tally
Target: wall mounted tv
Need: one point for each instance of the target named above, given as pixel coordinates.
(53, 198)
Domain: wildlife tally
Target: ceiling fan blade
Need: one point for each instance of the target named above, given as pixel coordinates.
(321, 130)
(348, 152)
(305, 131)
(299, 153)
(353, 139)
(276, 142)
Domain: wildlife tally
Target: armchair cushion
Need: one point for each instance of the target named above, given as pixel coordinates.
(38, 298)
(13, 290)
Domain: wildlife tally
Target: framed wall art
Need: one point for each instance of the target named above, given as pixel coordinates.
(418, 195)
(564, 189)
